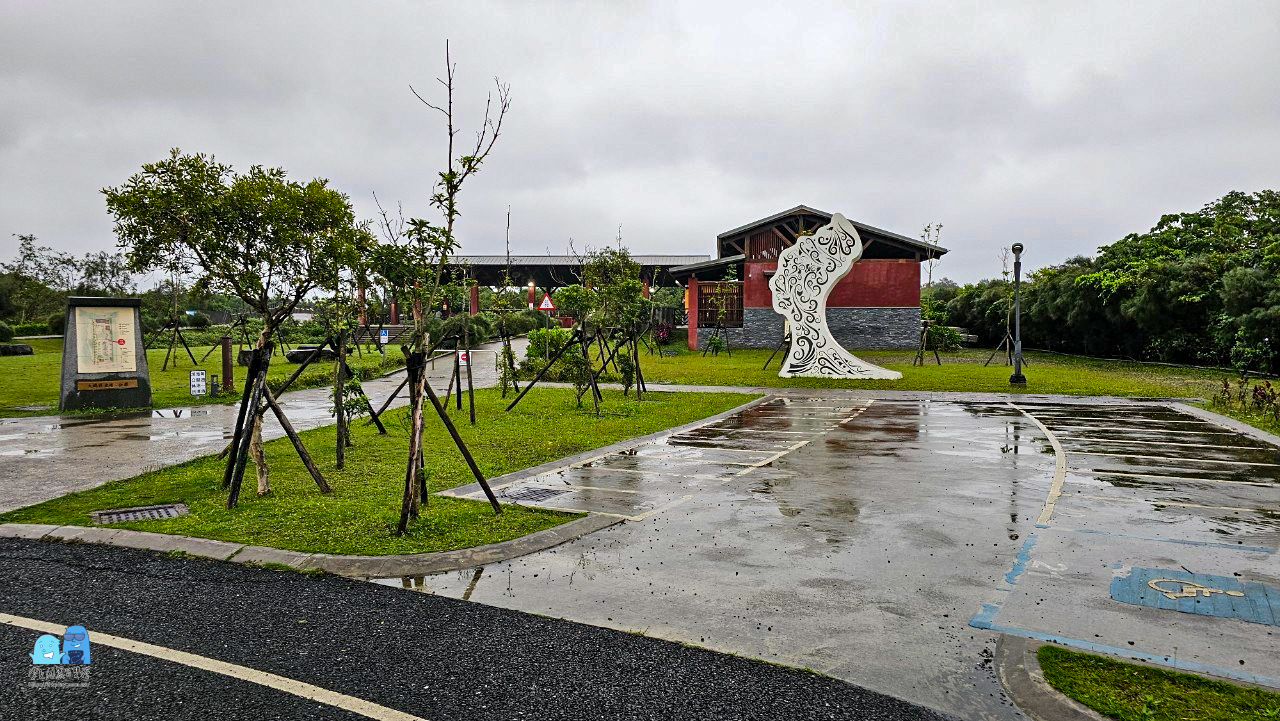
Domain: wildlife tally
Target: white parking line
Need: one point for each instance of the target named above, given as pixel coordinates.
(1059, 469)
(1189, 479)
(1089, 439)
(1127, 430)
(342, 701)
(1134, 499)
(1173, 458)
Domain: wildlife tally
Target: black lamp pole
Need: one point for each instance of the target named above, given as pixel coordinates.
(1017, 378)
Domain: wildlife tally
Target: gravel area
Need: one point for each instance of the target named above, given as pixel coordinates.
(431, 656)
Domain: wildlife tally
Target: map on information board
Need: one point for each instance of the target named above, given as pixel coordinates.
(104, 340)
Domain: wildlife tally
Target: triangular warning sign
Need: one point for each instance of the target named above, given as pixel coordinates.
(546, 303)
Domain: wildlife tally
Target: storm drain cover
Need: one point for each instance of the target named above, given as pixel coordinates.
(139, 513)
(535, 494)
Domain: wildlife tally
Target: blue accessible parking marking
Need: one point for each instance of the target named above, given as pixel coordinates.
(1199, 593)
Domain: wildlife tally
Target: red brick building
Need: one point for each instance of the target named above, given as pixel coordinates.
(877, 305)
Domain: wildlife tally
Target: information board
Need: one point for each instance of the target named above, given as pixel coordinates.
(199, 383)
(105, 340)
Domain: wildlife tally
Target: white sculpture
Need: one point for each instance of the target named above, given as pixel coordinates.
(807, 271)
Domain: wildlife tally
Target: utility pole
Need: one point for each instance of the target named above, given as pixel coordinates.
(1017, 379)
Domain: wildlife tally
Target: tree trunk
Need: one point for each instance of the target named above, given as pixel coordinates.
(415, 444)
(259, 458)
(339, 381)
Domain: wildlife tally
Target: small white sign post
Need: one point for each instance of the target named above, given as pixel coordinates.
(198, 381)
(464, 358)
(384, 336)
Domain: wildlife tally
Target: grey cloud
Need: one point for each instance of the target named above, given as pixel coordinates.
(1063, 126)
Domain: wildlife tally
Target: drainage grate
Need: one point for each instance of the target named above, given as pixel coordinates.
(535, 494)
(140, 513)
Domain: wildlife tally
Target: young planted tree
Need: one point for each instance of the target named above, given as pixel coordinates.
(259, 236)
(414, 266)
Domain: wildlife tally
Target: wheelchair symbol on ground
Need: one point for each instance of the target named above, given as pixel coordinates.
(1202, 594)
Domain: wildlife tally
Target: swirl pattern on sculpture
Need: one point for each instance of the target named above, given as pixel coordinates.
(807, 273)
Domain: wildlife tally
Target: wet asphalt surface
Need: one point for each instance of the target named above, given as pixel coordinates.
(890, 542)
(431, 656)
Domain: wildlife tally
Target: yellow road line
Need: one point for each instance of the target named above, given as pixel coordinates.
(1059, 471)
(307, 691)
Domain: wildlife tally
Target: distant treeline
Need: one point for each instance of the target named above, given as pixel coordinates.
(1200, 287)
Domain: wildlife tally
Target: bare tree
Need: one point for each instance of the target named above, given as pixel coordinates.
(412, 266)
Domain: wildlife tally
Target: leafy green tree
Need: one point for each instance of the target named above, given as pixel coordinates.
(38, 279)
(104, 274)
(267, 240)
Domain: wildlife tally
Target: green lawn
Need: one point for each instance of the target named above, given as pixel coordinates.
(30, 383)
(961, 371)
(1140, 693)
(360, 515)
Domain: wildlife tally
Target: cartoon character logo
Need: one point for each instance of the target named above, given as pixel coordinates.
(46, 651)
(75, 646)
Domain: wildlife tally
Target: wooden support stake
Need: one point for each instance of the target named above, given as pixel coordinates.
(595, 390)
(296, 441)
(339, 390)
(462, 447)
(237, 434)
(255, 384)
(572, 338)
(471, 390)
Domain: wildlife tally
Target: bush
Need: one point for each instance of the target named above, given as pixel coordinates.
(544, 342)
(56, 323)
(199, 320)
(662, 334)
(21, 329)
(6, 333)
(944, 338)
(477, 326)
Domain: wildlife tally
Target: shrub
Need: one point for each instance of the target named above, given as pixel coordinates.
(6, 333)
(199, 320)
(543, 342)
(21, 329)
(944, 338)
(56, 323)
(477, 326)
(717, 343)
(662, 334)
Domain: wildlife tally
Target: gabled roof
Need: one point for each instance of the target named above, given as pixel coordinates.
(569, 260)
(862, 228)
(679, 271)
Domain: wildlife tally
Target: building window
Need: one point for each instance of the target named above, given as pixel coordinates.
(720, 304)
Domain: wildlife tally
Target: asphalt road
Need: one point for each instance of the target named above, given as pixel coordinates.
(430, 656)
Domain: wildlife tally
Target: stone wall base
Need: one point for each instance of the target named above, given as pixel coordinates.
(854, 328)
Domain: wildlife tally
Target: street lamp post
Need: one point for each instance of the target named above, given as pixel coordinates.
(1017, 379)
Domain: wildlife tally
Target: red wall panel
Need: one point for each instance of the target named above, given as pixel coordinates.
(871, 284)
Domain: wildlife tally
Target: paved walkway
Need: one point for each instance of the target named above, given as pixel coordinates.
(889, 541)
(49, 456)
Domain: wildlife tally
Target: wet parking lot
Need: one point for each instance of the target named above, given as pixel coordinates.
(889, 542)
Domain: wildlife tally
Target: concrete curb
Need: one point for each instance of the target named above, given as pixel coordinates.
(888, 394)
(413, 564)
(1022, 679)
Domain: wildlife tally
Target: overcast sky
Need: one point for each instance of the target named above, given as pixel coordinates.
(1061, 125)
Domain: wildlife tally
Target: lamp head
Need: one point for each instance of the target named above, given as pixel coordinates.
(1017, 249)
